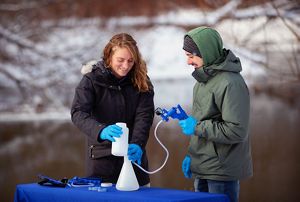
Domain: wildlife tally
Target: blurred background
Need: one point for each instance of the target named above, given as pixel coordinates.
(43, 44)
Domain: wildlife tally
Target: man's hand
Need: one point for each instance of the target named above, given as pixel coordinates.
(186, 163)
(188, 125)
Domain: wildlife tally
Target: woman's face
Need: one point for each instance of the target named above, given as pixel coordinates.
(121, 62)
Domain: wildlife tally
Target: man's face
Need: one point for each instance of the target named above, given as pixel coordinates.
(195, 61)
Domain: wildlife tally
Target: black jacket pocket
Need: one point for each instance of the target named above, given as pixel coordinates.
(98, 151)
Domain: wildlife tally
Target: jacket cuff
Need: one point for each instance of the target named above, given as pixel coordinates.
(96, 132)
(200, 129)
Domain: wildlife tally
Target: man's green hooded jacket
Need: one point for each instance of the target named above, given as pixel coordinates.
(220, 148)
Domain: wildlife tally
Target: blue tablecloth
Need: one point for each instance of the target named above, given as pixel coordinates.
(36, 192)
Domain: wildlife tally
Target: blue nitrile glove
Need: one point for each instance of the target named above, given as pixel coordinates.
(111, 131)
(186, 163)
(188, 125)
(135, 153)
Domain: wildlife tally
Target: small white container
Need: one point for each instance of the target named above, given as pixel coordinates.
(120, 146)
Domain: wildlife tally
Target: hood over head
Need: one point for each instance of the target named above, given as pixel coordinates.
(215, 57)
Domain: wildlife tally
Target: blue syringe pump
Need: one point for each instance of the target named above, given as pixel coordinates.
(175, 113)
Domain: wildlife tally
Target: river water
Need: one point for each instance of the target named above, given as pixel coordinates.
(56, 148)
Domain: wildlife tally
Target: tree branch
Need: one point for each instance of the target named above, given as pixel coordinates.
(284, 21)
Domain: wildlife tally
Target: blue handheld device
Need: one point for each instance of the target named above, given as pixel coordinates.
(174, 113)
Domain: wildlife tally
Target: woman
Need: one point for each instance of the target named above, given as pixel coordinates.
(115, 89)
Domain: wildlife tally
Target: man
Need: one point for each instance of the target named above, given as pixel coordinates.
(219, 151)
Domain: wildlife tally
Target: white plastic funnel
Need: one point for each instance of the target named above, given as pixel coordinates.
(127, 180)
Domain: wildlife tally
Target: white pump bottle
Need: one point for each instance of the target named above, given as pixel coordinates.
(120, 146)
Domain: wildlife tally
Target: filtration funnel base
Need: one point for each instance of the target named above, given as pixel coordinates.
(127, 180)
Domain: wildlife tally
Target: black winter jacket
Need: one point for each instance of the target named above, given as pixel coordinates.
(100, 100)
